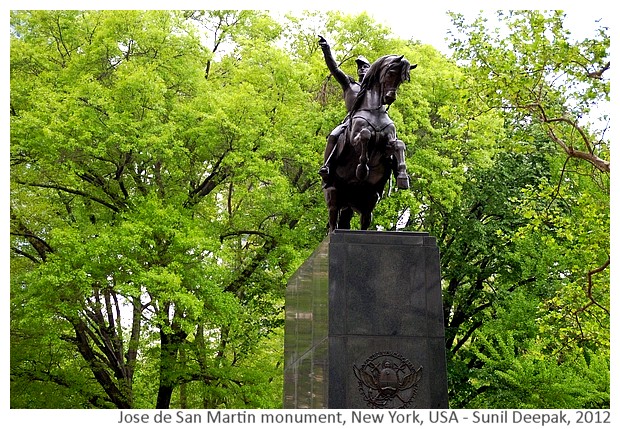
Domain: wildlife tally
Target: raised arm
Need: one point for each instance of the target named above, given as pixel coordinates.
(340, 76)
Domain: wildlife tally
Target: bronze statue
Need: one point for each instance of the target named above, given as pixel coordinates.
(363, 151)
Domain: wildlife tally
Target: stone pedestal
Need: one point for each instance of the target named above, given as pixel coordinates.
(364, 324)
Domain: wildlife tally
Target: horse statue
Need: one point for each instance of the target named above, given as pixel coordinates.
(368, 151)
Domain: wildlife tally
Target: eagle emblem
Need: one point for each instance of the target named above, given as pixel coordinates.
(388, 380)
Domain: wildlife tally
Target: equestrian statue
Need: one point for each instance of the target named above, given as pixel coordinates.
(363, 151)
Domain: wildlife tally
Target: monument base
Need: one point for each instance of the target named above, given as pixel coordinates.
(364, 324)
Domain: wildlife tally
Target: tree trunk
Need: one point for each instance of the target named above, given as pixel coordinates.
(167, 364)
(116, 395)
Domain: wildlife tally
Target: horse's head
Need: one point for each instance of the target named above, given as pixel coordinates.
(386, 74)
(395, 71)
(382, 81)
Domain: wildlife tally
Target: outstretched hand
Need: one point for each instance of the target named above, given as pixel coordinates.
(323, 43)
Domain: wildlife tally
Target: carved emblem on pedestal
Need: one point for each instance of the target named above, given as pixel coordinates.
(388, 380)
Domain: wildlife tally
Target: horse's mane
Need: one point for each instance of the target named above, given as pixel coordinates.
(373, 75)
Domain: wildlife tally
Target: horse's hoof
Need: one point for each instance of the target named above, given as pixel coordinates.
(402, 182)
(361, 172)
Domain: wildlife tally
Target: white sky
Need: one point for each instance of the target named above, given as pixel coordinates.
(430, 25)
(424, 21)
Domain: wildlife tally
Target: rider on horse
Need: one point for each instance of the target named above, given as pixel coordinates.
(350, 90)
(368, 150)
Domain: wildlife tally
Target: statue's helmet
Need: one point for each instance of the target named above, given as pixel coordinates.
(362, 61)
(362, 67)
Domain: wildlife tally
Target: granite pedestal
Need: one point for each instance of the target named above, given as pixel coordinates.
(364, 324)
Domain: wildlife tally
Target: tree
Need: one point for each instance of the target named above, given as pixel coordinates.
(556, 256)
(533, 64)
(143, 199)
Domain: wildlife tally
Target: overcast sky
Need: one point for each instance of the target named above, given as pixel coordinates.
(421, 20)
(430, 24)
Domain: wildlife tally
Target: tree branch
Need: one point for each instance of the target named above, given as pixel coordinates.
(36, 242)
(208, 184)
(71, 191)
(589, 156)
(243, 232)
(27, 255)
(598, 74)
(590, 274)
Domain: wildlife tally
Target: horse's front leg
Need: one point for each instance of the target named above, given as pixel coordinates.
(402, 178)
(362, 138)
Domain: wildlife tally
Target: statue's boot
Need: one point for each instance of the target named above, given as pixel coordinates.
(324, 172)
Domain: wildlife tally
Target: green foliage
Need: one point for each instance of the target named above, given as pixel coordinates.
(539, 336)
(526, 376)
(531, 63)
(158, 213)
